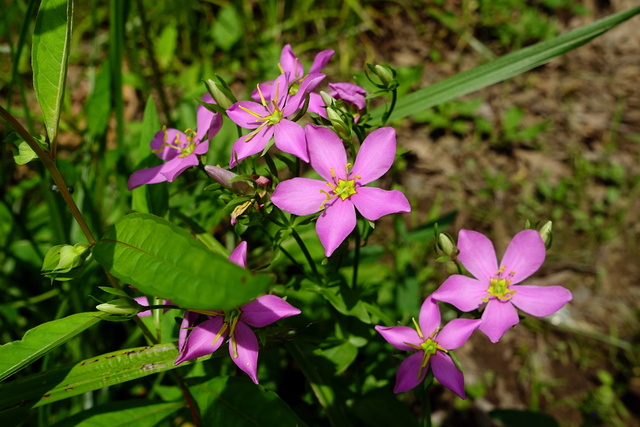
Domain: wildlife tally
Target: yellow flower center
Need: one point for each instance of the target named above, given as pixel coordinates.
(343, 188)
(429, 347)
(499, 286)
(184, 147)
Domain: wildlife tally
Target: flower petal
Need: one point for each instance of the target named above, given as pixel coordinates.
(290, 63)
(248, 120)
(290, 138)
(316, 105)
(265, 310)
(263, 88)
(208, 122)
(300, 196)
(498, 316)
(165, 172)
(175, 167)
(398, 336)
(188, 321)
(447, 374)
(334, 224)
(407, 376)
(540, 301)
(248, 145)
(477, 254)
(465, 293)
(247, 346)
(171, 136)
(296, 101)
(202, 340)
(376, 155)
(239, 255)
(429, 317)
(321, 60)
(374, 203)
(524, 255)
(349, 92)
(457, 332)
(326, 152)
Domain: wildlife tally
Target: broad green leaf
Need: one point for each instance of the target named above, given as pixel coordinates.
(51, 37)
(134, 413)
(25, 154)
(502, 68)
(239, 402)
(163, 260)
(153, 198)
(42, 339)
(343, 299)
(342, 356)
(90, 374)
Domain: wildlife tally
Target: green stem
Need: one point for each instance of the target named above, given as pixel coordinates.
(392, 106)
(305, 251)
(356, 260)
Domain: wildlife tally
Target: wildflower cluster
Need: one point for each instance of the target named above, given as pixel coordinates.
(328, 136)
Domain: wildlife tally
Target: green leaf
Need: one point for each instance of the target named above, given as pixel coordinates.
(90, 374)
(239, 402)
(342, 356)
(42, 339)
(343, 299)
(228, 28)
(134, 413)
(25, 154)
(502, 68)
(163, 260)
(51, 37)
(152, 198)
(98, 105)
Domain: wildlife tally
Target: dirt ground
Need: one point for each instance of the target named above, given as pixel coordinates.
(591, 101)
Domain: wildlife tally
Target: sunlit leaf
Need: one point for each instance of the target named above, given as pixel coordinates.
(239, 402)
(42, 339)
(51, 37)
(163, 260)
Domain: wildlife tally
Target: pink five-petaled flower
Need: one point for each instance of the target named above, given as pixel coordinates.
(208, 336)
(342, 190)
(496, 285)
(178, 149)
(431, 345)
(268, 119)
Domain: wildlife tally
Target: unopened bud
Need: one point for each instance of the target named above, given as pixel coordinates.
(386, 74)
(342, 129)
(545, 233)
(225, 178)
(123, 307)
(446, 245)
(329, 101)
(62, 259)
(220, 93)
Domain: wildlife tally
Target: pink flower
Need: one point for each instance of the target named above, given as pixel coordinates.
(206, 337)
(342, 191)
(497, 286)
(431, 344)
(289, 63)
(178, 149)
(347, 92)
(268, 119)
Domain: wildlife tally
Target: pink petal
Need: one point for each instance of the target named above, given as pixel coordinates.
(316, 105)
(143, 301)
(349, 92)
(173, 136)
(290, 138)
(300, 196)
(540, 301)
(335, 223)
(376, 155)
(429, 317)
(447, 374)
(465, 293)
(245, 119)
(398, 336)
(524, 255)
(407, 376)
(248, 145)
(201, 340)
(280, 92)
(176, 166)
(201, 148)
(188, 321)
(457, 332)
(165, 172)
(326, 152)
(498, 316)
(290, 63)
(239, 255)
(321, 60)
(296, 101)
(477, 254)
(247, 345)
(374, 203)
(265, 310)
(265, 89)
(208, 122)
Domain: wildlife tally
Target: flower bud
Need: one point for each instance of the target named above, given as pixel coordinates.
(342, 129)
(446, 245)
(225, 177)
(545, 233)
(386, 75)
(124, 306)
(329, 101)
(220, 93)
(61, 259)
